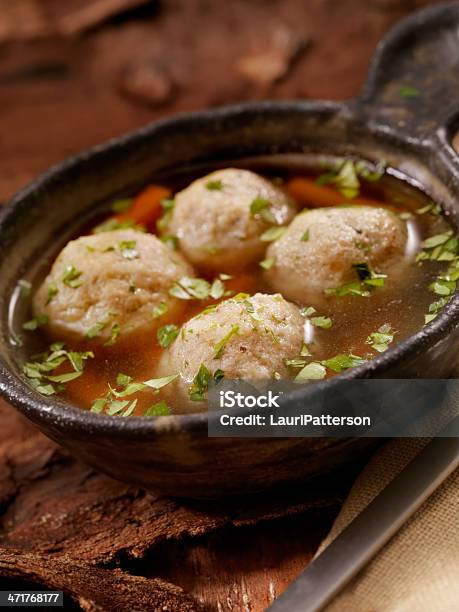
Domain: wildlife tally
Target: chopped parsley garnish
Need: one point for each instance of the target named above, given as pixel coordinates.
(344, 178)
(111, 225)
(380, 340)
(160, 310)
(219, 375)
(71, 277)
(268, 263)
(214, 185)
(316, 370)
(168, 207)
(52, 292)
(35, 323)
(95, 330)
(128, 249)
(188, 288)
(170, 241)
(407, 91)
(200, 384)
(305, 351)
(114, 334)
(307, 311)
(159, 383)
(40, 373)
(312, 371)
(122, 205)
(217, 289)
(167, 334)
(305, 236)
(368, 280)
(441, 247)
(250, 309)
(295, 363)
(431, 208)
(343, 362)
(240, 297)
(159, 409)
(261, 206)
(272, 234)
(123, 380)
(323, 322)
(220, 346)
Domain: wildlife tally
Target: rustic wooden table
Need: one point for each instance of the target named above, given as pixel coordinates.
(76, 75)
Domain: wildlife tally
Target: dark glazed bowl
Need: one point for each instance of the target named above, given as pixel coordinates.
(175, 454)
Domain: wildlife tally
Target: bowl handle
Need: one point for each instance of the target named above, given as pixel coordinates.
(413, 84)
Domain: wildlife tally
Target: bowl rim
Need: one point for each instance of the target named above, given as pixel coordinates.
(55, 412)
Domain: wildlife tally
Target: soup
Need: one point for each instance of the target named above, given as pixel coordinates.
(272, 268)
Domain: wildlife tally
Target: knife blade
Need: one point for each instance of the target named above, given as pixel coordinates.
(359, 542)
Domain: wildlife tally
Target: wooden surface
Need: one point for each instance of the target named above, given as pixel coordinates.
(72, 78)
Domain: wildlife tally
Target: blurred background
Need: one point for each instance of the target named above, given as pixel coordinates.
(76, 72)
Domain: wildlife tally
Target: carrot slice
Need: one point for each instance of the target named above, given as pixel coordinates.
(307, 193)
(146, 208)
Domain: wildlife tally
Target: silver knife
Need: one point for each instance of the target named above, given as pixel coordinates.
(359, 542)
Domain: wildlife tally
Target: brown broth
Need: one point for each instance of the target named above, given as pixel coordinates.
(402, 302)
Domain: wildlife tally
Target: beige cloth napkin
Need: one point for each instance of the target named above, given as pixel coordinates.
(418, 570)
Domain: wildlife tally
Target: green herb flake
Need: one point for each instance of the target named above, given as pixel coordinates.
(159, 383)
(407, 91)
(240, 297)
(71, 277)
(167, 334)
(52, 292)
(220, 346)
(305, 236)
(111, 225)
(35, 323)
(200, 384)
(116, 406)
(214, 185)
(217, 289)
(160, 310)
(170, 241)
(95, 330)
(114, 335)
(431, 208)
(305, 351)
(98, 405)
(355, 288)
(261, 206)
(272, 234)
(159, 409)
(307, 311)
(168, 206)
(344, 178)
(219, 375)
(268, 263)
(295, 363)
(381, 339)
(190, 289)
(323, 322)
(64, 378)
(130, 409)
(339, 363)
(123, 380)
(313, 371)
(128, 249)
